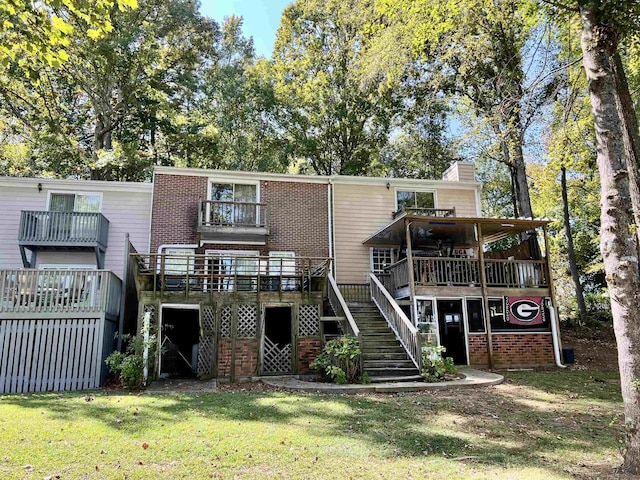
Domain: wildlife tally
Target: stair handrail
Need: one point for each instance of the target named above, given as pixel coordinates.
(405, 331)
(340, 306)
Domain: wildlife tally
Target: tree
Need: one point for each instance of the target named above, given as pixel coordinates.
(329, 119)
(603, 24)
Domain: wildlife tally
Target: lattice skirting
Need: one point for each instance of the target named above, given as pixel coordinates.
(308, 321)
(276, 359)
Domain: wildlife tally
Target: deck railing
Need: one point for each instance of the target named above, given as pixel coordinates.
(516, 273)
(446, 271)
(63, 228)
(355, 292)
(41, 291)
(426, 212)
(214, 213)
(406, 332)
(440, 271)
(210, 273)
(398, 275)
(340, 308)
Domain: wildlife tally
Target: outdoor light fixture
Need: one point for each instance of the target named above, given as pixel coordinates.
(388, 185)
(39, 187)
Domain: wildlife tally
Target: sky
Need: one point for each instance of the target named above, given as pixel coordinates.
(261, 18)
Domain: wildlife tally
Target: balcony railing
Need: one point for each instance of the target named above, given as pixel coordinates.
(59, 291)
(213, 273)
(233, 214)
(439, 271)
(63, 228)
(426, 212)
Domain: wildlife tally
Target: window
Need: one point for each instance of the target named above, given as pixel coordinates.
(410, 199)
(381, 258)
(475, 317)
(234, 203)
(225, 266)
(75, 202)
(282, 264)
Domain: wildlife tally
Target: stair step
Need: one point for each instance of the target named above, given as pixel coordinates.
(386, 355)
(391, 371)
(386, 364)
(393, 378)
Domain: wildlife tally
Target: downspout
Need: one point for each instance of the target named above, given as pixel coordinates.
(554, 335)
(330, 215)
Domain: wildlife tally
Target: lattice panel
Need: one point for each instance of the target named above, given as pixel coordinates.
(208, 318)
(276, 359)
(225, 321)
(308, 321)
(206, 356)
(247, 321)
(150, 309)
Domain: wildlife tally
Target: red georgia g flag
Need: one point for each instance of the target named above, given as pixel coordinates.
(525, 310)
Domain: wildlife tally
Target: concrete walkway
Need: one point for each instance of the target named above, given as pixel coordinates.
(472, 378)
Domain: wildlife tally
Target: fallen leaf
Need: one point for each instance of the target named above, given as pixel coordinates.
(145, 445)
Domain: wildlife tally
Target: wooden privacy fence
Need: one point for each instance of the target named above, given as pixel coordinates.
(51, 354)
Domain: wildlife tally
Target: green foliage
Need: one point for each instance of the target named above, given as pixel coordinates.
(128, 366)
(340, 361)
(435, 367)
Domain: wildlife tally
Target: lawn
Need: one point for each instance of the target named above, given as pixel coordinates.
(558, 424)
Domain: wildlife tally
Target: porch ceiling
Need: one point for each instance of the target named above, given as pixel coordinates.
(493, 229)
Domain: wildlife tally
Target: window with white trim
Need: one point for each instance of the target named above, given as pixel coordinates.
(413, 199)
(380, 258)
(75, 202)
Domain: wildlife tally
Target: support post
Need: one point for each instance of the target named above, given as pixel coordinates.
(234, 336)
(145, 354)
(125, 287)
(412, 279)
(485, 298)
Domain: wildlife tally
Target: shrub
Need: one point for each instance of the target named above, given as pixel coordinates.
(128, 366)
(339, 361)
(434, 365)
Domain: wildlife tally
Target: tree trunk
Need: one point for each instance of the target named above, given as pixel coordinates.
(520, 174)
(618, 242)
(573, 265)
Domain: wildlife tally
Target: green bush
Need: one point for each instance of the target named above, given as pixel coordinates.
(434, 365)
(339, 361)
(128, 366)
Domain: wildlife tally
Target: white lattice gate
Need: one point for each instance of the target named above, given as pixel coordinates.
(276, 359)
(277, 351)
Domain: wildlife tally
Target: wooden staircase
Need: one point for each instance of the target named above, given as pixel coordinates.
(384, 357)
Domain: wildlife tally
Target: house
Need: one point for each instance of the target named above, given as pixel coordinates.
(64, 245)
(243, 274)
(248, 274)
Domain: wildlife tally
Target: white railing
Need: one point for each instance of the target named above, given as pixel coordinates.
(59, 291)
(406, 332)
(340, 307)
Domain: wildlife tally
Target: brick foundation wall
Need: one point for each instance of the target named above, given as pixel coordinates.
(513, 350)
(175, 209)
(308, 350)
(246, 357)
(224, 357)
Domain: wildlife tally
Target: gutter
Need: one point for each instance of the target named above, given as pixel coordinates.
(556, 341)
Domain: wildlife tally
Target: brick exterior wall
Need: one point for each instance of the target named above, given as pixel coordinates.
(224, 357)
(308, 350)
(175, 209)
(513, 350)
(298, 220)
(246, 357)
(298, 215)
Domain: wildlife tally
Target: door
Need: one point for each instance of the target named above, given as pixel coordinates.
(276, 340)
(282, 265)
(235, 204)
(227, 266)
(451, 329)
(426, 321)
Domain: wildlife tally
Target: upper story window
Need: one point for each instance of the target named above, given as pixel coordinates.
(412, 199)
(380, 258)
(234, 204)
(234, 192)
(75, 202)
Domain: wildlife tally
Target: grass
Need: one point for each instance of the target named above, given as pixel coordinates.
(538, 425)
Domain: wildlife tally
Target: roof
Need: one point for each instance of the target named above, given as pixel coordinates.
(324, 179)
(99, 185)
(493, 229)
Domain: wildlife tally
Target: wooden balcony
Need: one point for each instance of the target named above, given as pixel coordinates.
(66, 231)
(465, 272)
(224, 222)
(59, 293)
(159, 274)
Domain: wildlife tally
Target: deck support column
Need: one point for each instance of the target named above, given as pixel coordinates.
(485, 297)
(412, 278)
